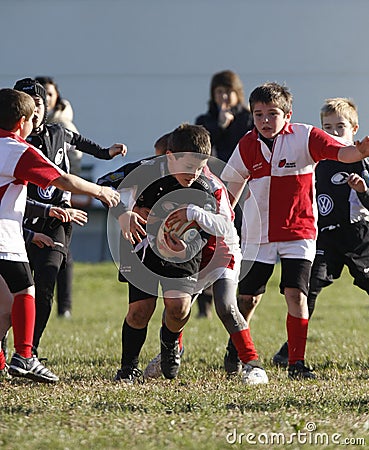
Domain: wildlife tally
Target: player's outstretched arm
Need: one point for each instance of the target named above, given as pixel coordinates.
(117, 149)
(77, 185)
(355, 152)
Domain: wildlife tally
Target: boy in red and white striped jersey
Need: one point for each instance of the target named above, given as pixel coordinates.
(277, 159)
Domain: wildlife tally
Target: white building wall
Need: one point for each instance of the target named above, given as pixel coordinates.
(135, 69)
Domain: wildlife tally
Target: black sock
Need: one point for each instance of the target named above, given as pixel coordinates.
(167, 335)
(132, 341)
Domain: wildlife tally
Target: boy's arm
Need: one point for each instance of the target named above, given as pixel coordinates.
(355, 152)
(87, 146)
(77, 185)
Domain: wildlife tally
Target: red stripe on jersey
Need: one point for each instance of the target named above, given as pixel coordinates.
(291, 213)
(252, 157)
(37, 169)
(323, 145)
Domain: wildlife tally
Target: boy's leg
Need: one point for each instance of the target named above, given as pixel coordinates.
(23, 364)
(294, 284)
(250, 290)
(64, 288)
(326, 267)
(177, 312)
(225, 301)
(134, 331)
(46, 264)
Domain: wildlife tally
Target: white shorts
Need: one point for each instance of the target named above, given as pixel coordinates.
(208, 277)
(270, 252)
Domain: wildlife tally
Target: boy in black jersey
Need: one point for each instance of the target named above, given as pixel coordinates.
(343, 202)
(154, 188)
(54, 141)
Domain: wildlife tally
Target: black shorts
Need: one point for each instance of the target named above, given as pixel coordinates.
(295, 274)
(145, 270)
(345, 246)
(17, 275)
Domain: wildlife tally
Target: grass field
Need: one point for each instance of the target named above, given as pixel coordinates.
(201, 409)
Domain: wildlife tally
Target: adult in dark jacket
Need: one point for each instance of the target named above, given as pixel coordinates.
(227, 119)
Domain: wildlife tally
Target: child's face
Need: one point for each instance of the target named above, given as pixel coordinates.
(185, 169)
(269, 120)
(339, 126)
(39, 112)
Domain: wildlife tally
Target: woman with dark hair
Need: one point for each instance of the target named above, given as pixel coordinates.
(228, 117)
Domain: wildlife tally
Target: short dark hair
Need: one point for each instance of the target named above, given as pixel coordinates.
(274, 93)
(190, 138)
(161, 144)
(13, 106)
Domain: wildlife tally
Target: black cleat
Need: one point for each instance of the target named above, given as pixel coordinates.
(280, 359)
(129, 375)
(232, 364)
(299, 371)
(30, 368)
(170, 359)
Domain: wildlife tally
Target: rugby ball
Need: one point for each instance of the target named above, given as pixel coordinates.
(187, 232)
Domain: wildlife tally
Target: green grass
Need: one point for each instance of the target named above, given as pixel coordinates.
(87, 410)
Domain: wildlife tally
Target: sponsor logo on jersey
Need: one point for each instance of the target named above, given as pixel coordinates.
(325, 204)
(59, 156)
(47, 193)
(287, 165)
(340, 178)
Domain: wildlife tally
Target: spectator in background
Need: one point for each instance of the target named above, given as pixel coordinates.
(227, 119)
(59, 110)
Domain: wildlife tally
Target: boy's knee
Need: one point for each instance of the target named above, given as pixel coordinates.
(138, 317)
(177, 311)
(247, 303)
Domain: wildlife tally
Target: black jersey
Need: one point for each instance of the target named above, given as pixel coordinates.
(153, 187)
(54, 142)
(338, 204)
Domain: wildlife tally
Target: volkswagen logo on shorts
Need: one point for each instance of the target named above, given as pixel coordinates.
(340, 178)
(325, 204)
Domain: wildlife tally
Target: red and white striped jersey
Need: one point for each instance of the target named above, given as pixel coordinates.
(281, 205)
(19, 163)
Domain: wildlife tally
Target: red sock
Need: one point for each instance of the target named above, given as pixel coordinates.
(23, 321)
(297, 329)
(180, 340)
(2, 360)
(244, 345)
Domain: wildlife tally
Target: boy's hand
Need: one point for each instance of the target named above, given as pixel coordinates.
(225, 117)
(363, 146)
(357, 183)
(59, 213)
(142, 211)
(117, 149)
(130, 225)
(41, 240)
(69, 215)
(78, 216)
(176, 246)
(178, 218)
(108, 196)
